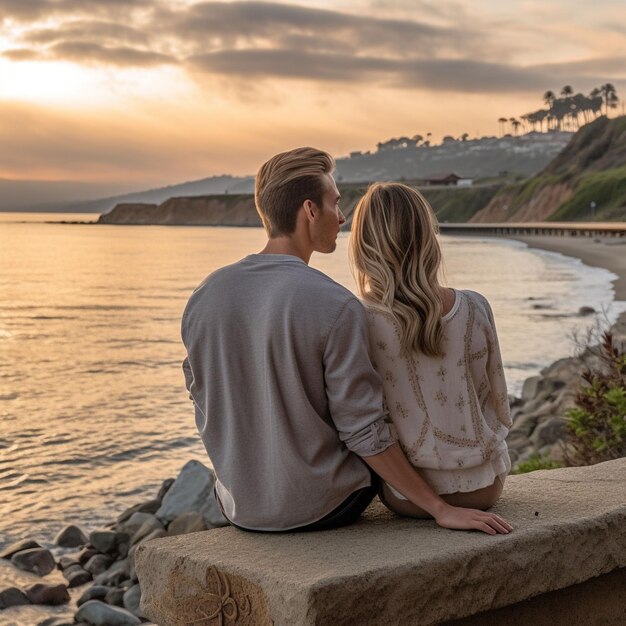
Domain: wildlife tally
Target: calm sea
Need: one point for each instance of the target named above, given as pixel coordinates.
(93, 410)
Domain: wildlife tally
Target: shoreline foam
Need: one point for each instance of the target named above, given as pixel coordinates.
(609, 254)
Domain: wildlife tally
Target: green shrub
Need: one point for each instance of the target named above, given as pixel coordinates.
(536, 462)
(597, 424)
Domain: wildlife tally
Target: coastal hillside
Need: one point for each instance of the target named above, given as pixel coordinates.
(585, 182)
(404, 159)
(395, 159)
(451, 205)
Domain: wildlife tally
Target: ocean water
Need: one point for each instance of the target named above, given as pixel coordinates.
(93, 409)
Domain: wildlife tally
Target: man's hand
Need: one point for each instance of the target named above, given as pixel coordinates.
(393, 467)
(458, 518)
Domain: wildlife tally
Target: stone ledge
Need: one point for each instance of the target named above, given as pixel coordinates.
(570, 527)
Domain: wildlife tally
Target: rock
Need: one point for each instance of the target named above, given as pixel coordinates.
(119, 571)
(523, 425)
(12, 597)
(52, 595)
(107, 541)
(192, 491)
(18, 546)
(514, 401)
(517, 441)
(57, 621)
(186, 523)
(155, 534)
(145, 529)
(76, 576)
(98, 563)
(143, 507)
(569, 530)
(115, 597)
(165, 487)
(549, 431)
(529, 388)
(95, 592)
(132, 598)
(37, 560)
(135, 522)
(67, 561)
(85, 554)
(558, 452)
(122, 549)
(71, 537)
(101, 614)
(586, 310)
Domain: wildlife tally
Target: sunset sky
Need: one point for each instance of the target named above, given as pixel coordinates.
(150, 92)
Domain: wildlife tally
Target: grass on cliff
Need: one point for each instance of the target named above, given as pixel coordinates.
(607, 189)
(458, 204)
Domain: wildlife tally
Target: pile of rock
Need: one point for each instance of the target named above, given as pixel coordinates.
(539, 416)
(106, 557)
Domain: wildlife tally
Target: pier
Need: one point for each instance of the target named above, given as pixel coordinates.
(562, 229)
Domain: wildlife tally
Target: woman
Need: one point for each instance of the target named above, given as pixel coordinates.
(436, 351)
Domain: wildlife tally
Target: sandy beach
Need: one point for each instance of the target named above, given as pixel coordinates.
(609, 253)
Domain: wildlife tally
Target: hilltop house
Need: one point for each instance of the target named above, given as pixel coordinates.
(446, 179)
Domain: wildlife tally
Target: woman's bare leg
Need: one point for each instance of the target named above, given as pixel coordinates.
(480, 499)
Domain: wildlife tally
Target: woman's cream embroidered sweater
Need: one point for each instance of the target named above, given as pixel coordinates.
(450, 413)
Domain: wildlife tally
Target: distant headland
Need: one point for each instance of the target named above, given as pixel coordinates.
(584, 181)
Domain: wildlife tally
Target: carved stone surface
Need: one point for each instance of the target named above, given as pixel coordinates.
(570, 526)
(213, 599)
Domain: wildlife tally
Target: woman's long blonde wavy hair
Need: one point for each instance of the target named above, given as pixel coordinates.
(396, 259)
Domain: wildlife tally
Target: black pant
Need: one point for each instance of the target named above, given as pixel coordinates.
(346, 513)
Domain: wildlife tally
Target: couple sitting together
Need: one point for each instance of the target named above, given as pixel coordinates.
(311, 401)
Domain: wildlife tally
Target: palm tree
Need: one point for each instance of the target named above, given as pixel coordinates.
(502, 122)
(595, 102)
(525, 120)
(549, 98)
(516, 124)
(613, 100)
(538, 117)
(610, 95)
(567, 91)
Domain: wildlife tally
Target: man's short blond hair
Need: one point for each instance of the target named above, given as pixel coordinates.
(283, 184)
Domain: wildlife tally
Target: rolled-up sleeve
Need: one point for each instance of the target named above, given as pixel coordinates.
(353, 387)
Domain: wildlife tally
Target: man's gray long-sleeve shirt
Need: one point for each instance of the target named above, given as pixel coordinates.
(285, 394)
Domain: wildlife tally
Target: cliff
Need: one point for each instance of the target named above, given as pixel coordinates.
(221, 210)
(451, 205)
(585, 182)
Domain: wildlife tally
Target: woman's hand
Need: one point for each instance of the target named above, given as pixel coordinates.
(459, 518)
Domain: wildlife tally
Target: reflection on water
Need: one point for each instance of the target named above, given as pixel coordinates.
(93, 409)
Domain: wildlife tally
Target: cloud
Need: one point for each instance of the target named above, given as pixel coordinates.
(606, 66)
(90, 53)
(22, 54)
(237, 41)
(438, 74)
(26, 10)
(264, 25)
(82, 30)
(94, 53)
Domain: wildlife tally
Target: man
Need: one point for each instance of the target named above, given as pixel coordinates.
(287, 401)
